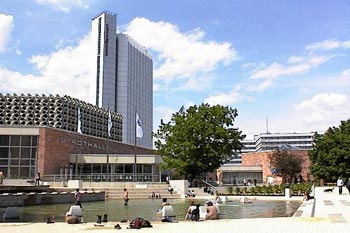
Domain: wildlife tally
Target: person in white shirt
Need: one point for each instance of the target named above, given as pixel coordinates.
(340, 184)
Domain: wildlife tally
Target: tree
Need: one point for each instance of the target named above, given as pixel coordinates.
(286, 164)
(198, 139)
(330, 155)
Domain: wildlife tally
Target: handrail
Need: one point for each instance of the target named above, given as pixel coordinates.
(209, 184)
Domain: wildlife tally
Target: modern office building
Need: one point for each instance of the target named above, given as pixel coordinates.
(40, 133)
(124, 78)
(272, 141)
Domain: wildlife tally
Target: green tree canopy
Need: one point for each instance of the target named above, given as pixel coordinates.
(330, 155)
(198, 139)
(287, 164)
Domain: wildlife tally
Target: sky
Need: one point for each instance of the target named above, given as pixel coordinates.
(284, 65)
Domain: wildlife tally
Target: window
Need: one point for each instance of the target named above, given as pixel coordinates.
(4, 140)
(147, 168)
(26, 140)
(33, 155)
(24, 172)
(96, 168)
(139, 168)
(34, 140)
(25, 152)
(14, 152)
(4, 152)
(129, 168)
(15, 140)
(118, 168)
(14, 162)
(3, 162)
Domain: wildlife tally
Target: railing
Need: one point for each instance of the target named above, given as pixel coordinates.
(212, 187)
(103, 178)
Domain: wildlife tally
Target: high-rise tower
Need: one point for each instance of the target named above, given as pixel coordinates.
(124, 78)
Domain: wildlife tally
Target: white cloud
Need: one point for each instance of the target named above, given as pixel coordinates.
(180, 55)
(295, 59)
(328, 45)
(325, 108)
(40, 61)
(346, 73)
(156, 87)
(64, 72)
(196, 83)
(65, 5)
(226, 98)
(275, 70)
(6, 28)
(161, 112)
(304, 90)
(18, 51)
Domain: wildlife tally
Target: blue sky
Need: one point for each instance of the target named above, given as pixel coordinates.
(288, 61)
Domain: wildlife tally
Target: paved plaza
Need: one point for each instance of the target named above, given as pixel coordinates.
(329, 212)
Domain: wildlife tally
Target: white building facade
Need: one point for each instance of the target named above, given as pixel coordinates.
(124, 78)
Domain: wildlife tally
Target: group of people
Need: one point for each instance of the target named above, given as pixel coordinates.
(191, 193)
(154, 195)
(193, 212)
(249, 182)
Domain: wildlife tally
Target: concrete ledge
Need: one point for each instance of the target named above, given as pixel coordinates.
(25, 199)
(141, 186)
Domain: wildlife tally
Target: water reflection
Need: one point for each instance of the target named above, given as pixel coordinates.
(147, 209)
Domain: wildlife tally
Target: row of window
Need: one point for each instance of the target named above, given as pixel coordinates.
(16, 140)
(113, 168)
(18, 155)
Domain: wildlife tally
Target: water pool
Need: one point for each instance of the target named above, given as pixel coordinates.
(147, 208)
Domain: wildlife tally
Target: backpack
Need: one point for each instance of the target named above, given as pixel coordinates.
(138, 223)
(195, 213)
(73, 219)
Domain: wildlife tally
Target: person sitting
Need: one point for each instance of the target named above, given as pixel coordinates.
(189, 193)
(164, 203)
(192, 212)
(157, 195)
(170, 189)
(153, 195)
(193, 193)
(212, 212)
(208, 190)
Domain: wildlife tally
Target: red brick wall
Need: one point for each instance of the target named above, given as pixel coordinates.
(56, 145)
(262, 159)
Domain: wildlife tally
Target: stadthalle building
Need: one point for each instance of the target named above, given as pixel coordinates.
(40, 133)
(66, 138)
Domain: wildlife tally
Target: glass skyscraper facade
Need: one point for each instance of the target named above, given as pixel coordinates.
(124, 78)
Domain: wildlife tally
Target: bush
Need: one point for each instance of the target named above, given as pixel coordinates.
(237, 190)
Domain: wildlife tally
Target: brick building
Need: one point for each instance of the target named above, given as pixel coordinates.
(256, 165)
